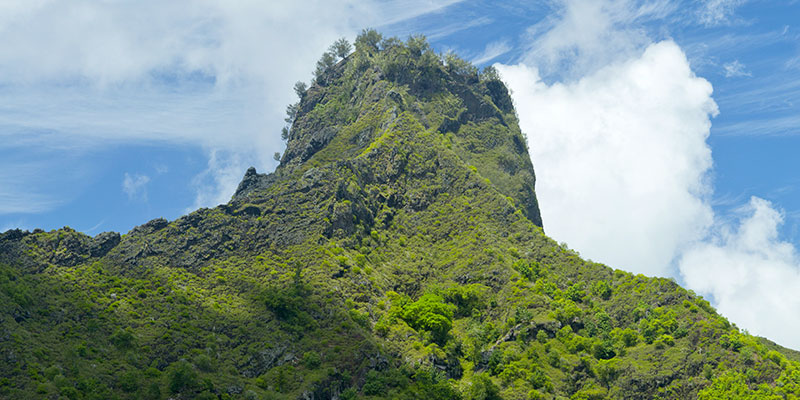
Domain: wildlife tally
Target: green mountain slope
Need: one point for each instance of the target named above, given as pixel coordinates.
(397, 252)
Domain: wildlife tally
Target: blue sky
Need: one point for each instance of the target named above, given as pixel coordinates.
(664, 133)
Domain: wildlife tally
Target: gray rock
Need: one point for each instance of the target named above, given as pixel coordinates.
(103, 243)
(261, 362)
(151, 226)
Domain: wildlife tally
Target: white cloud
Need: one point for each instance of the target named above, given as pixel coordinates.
(161, 169)
(11, 225)
(19, 191)
(108, 42)
(586, 35)
(13, 201)
(218, 181)
(449, 29)
(735, 69)
(619, 147)
(492, 51)
(752, 275)
(792, 63)
(716, 12)
(213, 74)
(135, 186)
(621, 157)
(27, 203)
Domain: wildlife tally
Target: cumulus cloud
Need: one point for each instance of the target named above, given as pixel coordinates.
(621, 157)
(213, 74)
(751, 273)
(619, 147)
(735, 69)
(135, 186)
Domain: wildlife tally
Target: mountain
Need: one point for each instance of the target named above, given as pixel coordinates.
(397, 252)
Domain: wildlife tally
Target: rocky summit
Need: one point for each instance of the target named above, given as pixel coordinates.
(397, 252)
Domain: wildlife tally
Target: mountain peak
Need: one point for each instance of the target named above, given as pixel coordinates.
(390, 92)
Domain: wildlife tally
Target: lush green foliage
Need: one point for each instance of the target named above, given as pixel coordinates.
(397, 252)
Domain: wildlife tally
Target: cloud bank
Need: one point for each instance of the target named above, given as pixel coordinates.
(621, 157)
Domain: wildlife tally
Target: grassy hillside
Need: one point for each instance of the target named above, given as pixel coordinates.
(397, 252)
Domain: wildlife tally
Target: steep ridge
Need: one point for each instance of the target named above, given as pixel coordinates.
(396, 252)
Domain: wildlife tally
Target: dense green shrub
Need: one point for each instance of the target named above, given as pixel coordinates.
(181, 376)
(483, 388)
(432, 314)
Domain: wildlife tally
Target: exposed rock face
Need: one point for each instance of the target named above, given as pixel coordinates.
(103, 243)
(64, 247)
(253, 182)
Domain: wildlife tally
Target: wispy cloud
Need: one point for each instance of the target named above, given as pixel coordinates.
(492, 51)
(765, 105)
(24, 185)
(792, 63)
(218, 181)
(24, 203)
(161, 168)
(14, 199)
(788, 125)
(728, 199)
(717, 12)
(764, 97)
(586, 35)
(15, 224)
(94, 228)
(707, 50)
(449, 29)
(392, 12)
(135, 186)
(735, 69)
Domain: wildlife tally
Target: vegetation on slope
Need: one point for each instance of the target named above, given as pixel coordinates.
(397, 252)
